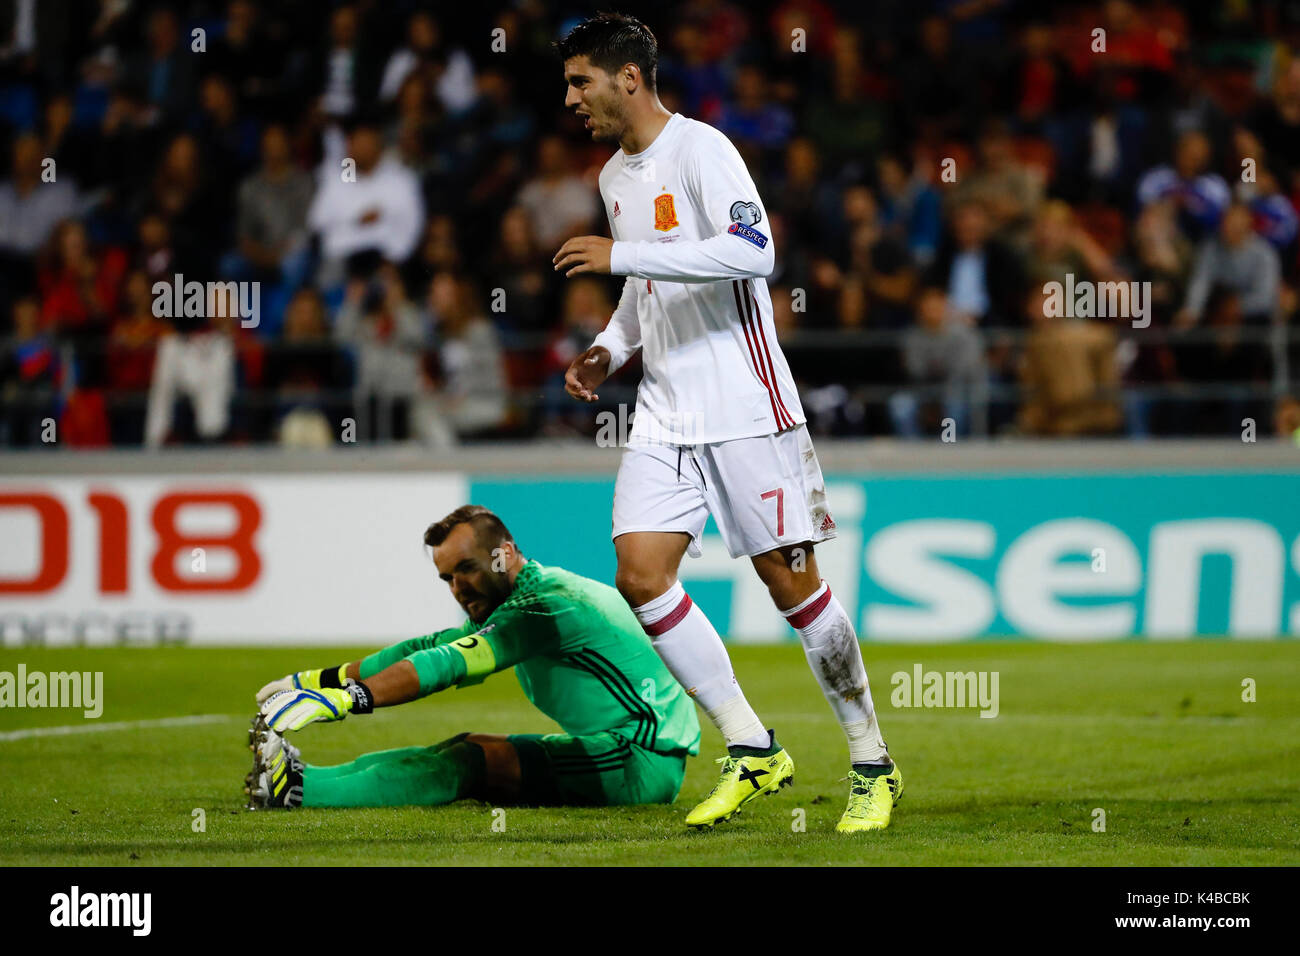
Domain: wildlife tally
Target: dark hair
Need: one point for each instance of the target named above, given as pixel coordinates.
(489, 530)
(610, 40)
(362, 119)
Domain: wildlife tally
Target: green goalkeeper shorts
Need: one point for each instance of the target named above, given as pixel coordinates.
(602, 770)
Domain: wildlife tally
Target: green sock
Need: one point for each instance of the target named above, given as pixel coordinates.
(408, 776)
(377, 757)
(738, 750)
(343, 769)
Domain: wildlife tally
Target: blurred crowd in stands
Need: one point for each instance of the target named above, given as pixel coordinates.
(928, 166)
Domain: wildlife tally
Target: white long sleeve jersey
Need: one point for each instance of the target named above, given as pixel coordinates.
(692, 236)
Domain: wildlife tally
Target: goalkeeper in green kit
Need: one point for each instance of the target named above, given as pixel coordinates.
(581, 657)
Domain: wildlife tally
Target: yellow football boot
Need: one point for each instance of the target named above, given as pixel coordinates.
(871, 801)
(744, 776)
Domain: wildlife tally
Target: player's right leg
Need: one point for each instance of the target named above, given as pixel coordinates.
(468, 765)
(695, 655)
(681, 634)
(659, 512)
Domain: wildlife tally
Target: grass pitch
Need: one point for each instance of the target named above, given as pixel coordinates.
(1154, 734)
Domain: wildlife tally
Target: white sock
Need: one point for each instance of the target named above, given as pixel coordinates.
(833, 653)
(694, 654)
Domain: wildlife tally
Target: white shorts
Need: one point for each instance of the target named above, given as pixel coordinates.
(764, 493)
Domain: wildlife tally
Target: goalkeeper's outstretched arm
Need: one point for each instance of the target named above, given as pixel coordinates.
(425, 672)
(463, 661)
(336, 677)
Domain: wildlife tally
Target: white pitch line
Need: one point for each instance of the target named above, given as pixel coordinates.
(91, 727)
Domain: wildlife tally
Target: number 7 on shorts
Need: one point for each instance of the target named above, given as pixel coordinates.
(779, 495)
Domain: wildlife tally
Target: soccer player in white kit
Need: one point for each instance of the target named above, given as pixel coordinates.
(718, 427)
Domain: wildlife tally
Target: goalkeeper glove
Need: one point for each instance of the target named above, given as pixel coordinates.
(305, 680)
(294, 709)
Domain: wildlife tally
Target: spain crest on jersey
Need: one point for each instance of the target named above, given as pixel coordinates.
(665, 213)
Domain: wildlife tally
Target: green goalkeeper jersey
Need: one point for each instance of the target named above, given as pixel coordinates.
(579, 653)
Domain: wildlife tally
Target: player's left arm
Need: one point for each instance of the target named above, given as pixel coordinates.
(296, 708)
(469, 659)
(511, 636)
(335, 678)
(391, 683)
